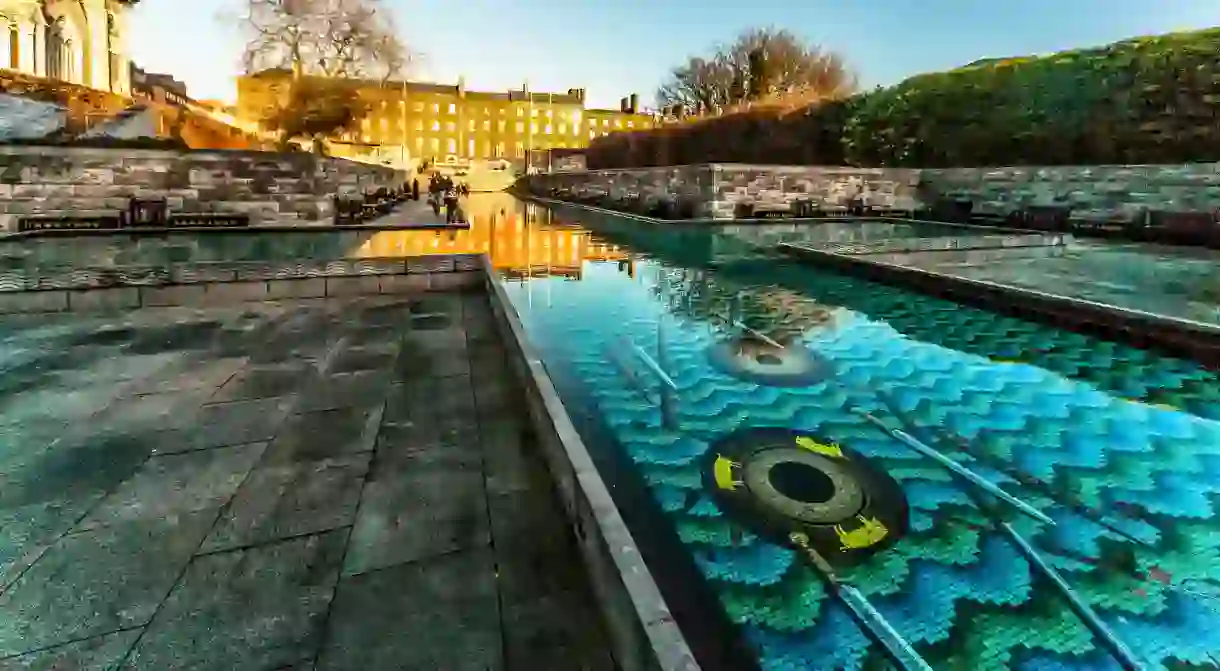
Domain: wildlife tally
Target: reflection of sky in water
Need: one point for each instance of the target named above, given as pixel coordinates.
(1129, 485)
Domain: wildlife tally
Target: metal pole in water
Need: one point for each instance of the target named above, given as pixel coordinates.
(969, 475)
(867, 617)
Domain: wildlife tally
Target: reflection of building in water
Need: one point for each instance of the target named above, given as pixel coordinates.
(773, 311)
(519, 238)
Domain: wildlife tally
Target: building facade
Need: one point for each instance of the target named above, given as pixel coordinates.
(442, 121)
(158, 87)
(77, 41)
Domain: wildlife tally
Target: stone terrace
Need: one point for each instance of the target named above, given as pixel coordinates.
(329, 484)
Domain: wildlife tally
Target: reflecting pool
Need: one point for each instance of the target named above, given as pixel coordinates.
(867, 477)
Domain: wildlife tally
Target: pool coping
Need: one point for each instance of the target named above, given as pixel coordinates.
(643, 632)
(231, 230)
(1181, 337)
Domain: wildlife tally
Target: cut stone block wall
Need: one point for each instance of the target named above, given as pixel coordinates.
(1114, 192)
(695, 183)
(1118, 192)
(715, 190)
(273, 188)
(777, 186)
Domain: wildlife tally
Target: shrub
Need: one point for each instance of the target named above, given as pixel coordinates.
(1146, 100)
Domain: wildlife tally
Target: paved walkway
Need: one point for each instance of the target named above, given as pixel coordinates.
(318, 485)
(417, 214)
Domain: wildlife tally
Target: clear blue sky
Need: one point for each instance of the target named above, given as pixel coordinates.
(615, 47)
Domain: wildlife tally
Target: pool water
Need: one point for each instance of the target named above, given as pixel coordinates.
(1174, 282)
(1022, 497)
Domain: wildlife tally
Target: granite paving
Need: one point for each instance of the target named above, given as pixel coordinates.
(330, 484)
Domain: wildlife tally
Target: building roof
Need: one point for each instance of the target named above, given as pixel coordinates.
(569, 97)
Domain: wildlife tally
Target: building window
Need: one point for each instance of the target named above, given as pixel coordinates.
(452, 108)
(520, 127)
(563, 128)
(452, 145)
(500, 125)
(520, 150)
(520, 111)
(487, 124)
(418, 106)
(548, 113)
(436, 108)
(533, 127)
(548, 129)
(499, 150)
(486, 111)
(534, 113)
(470, 148)
(435, 143)
(450, 126)
(618, 123)
(605, 123)
(419, 143)
(419, 124)
(470, 125)
(631, 124)
(592, 134)
(436, 125)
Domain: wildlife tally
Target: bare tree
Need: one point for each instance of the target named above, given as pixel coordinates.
(320, 42)
(761, 64)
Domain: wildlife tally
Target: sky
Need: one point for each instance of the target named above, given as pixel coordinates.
(616, 47)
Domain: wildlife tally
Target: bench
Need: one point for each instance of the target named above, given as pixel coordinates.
(348, 211)
(1053, 218)
(1184, 228)
(209, 219)
(89, 220)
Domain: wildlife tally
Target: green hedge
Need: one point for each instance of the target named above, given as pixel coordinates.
(1146, 100)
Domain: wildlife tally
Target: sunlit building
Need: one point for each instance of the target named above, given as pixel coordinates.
(520, 239)
(76, 41)
(440, 121)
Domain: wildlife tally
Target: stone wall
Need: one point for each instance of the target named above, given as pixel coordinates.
(715, 190)
(771, 186)
(1118, 192)
(1112, 192)
(273, 188)
(693, 183)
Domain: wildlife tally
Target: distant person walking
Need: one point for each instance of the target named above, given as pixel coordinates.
(415, 189)
(451, 204)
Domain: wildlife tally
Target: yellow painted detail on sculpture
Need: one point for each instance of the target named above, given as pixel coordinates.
(812, 445)
(726, 478)
(870, 532)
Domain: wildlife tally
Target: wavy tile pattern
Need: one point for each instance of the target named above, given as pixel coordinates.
(1118, 446)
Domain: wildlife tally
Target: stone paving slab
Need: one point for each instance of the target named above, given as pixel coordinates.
(330, 484)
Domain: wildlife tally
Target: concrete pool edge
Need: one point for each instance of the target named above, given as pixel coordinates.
(1179, 337)
(643, 632)
(63, 289)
